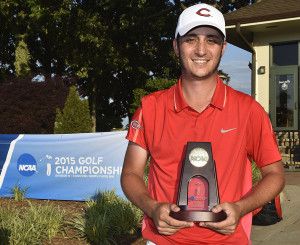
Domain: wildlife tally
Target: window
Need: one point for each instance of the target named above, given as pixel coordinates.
(285, 54)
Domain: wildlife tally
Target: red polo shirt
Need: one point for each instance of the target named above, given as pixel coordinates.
(238, 129)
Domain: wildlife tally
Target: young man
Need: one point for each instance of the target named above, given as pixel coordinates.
(200, 108)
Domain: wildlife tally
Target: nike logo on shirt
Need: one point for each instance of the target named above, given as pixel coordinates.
(223, 131)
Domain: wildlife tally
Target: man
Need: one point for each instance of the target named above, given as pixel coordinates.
(200, 108)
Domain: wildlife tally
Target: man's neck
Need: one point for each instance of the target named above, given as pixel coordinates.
(199, 93)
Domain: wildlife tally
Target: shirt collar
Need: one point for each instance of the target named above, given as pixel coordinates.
(220, 95)
(218, 100)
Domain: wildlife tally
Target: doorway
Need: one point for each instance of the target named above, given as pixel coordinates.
(284, 98)
(284, 86)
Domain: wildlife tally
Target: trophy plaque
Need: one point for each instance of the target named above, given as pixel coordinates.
(198, 189)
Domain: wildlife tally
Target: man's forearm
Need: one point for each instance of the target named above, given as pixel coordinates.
(132, 181)
(272, 183)
(136, 191)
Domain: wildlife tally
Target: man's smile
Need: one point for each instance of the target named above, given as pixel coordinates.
(200, 61)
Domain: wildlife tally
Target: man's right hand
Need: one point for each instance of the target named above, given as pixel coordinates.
(165, 224)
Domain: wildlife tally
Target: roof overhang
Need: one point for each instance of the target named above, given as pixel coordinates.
(248, 30)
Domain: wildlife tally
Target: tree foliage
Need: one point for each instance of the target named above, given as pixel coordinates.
(152, 85)
(22, 59)
(75, 117)
(28, 107)
(224, 76)
(111, 46)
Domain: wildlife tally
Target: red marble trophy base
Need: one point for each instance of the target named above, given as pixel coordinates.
(197, 216)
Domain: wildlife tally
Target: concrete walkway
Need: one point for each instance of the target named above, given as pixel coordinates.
(287, 231)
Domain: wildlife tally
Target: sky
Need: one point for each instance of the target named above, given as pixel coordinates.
(235, 63)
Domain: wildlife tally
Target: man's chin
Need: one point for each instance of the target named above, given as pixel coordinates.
(204, 76)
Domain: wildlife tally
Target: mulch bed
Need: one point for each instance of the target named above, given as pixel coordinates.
(70, 207)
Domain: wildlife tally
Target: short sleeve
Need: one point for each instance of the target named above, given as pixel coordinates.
(136, 129)
(261, 141)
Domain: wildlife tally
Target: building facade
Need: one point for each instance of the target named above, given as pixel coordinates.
(270, 30)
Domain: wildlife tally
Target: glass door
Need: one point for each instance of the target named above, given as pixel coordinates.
(284, 98)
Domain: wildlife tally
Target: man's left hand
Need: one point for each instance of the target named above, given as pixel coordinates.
(229, 225)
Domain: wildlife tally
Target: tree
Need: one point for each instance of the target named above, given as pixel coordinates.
(75, 117)
(28, 107)
(224, 76)
(152, 85)
(112, 46)
(116, 52)
(22, 59)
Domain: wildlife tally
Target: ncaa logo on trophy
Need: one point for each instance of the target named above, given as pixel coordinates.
(198, 157)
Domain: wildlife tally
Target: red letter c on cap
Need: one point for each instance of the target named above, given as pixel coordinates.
(199, 12)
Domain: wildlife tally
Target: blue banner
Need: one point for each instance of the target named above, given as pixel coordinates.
(62, 166)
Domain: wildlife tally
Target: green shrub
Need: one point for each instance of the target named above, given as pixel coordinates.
(30, 226)
(8, 217)
(146, 173)
(107, 215)
(75, 117)
(50, 219)
(17, 192)
(256, 174)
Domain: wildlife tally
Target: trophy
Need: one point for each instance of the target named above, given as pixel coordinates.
(198, 190)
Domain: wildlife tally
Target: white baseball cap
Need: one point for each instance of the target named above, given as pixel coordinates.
(200, 15)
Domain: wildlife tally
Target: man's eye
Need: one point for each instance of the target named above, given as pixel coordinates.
(189, 40)
(213, 41)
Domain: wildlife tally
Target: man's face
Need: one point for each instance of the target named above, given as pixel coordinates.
(200, 52)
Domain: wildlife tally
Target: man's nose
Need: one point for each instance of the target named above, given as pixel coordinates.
(200, 48)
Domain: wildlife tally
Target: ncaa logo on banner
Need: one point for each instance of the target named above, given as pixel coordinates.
(26, 165)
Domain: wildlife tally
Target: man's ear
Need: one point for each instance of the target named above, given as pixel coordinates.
(224, 47)
(175, 47)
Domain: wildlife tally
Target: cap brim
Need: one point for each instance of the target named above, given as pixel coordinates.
(184, 30)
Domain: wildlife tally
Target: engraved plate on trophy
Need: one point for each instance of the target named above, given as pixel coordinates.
(198, 190)
(198, 194)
